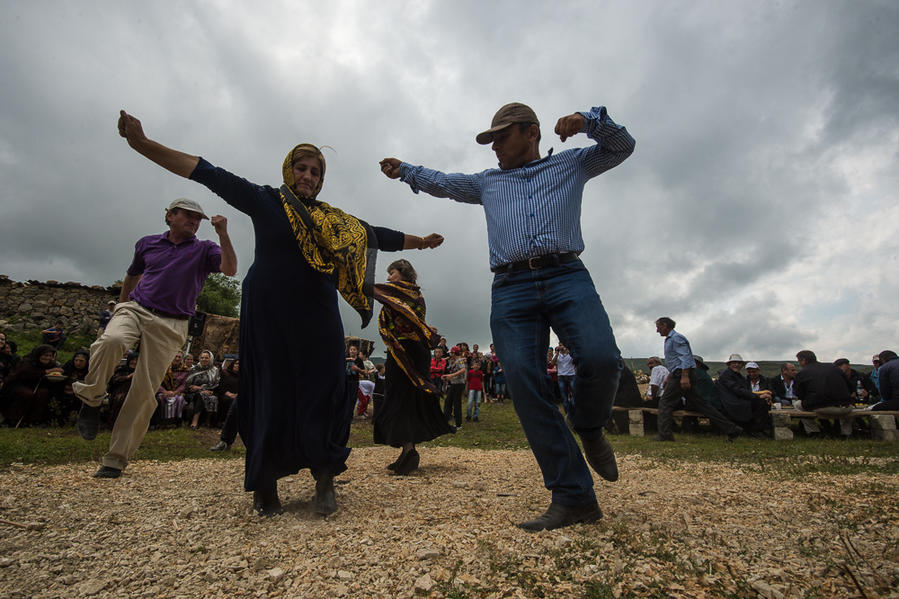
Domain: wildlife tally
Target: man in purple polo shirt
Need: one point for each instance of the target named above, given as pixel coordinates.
(159, 295)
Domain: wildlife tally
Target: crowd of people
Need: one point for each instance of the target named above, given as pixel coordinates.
(740, 404)
(36, 390)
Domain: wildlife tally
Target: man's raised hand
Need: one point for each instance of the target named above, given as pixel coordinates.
(569, 126)
(219, 223)
(391, 167)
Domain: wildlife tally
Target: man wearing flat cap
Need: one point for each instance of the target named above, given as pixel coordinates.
(533, 208)
(159, 295)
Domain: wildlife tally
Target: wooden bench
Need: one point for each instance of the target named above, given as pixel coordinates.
(883, 424)
(635, 417)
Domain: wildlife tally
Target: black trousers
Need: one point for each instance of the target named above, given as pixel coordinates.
(453, 402)
(670, 401)
(229, 429)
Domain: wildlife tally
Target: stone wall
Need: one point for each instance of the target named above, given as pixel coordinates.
(35, 304)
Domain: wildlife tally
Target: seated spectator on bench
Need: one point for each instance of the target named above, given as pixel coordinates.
(201, 384)
(628, 396)
(705, 385)
(889, 381)
(227, 389)
(863, 387)
(757, 382)
(824, 390)
(27, 393)
(741, 404)
(228, 395)
(657, 376)
(782, 386)
(171, 391)
(118, 388)
(74, 370)
(54, 336)
(8, 358)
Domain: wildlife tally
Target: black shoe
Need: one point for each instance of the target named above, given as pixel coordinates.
(221, 446)
(663, 438)
(88, 422)
(601, 457)
(408, 463)
(734, 433)
(475, 419)
(395, 463)
(468, 419)
(559, 515)
(107, 472)
(266, 502)
(325, 497)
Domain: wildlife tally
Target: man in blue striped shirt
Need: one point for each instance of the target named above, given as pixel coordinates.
(533, 209)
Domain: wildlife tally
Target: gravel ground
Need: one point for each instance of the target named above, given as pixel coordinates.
(185, 529)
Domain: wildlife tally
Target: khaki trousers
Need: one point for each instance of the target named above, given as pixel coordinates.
(160, 338)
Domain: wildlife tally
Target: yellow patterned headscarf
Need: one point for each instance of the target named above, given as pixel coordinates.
(301, 151)
(332, 242)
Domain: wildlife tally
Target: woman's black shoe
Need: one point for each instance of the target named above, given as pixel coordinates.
(396, 462)
(325, 497)
(408, 463)
(266, 502)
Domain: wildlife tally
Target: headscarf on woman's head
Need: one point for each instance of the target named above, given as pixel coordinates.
(302, 151)
(69, 367)
(331, 241)
(207, 377)
(34, 357)
(199, 366)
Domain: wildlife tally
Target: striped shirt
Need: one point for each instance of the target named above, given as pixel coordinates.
(534, 209)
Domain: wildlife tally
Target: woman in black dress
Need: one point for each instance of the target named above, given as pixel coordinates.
(292, 383)
(410, 411)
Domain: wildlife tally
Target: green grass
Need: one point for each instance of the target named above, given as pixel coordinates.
(498, 429)
(65, 446)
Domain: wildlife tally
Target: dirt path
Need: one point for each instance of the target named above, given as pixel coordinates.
(185, 529)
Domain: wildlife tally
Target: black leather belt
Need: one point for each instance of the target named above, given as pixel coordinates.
(544, 261)
(164, 314)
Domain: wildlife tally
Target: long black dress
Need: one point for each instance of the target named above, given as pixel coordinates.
(406, 414)
(292, 413)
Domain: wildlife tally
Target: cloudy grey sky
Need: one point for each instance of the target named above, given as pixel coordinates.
(759, 209)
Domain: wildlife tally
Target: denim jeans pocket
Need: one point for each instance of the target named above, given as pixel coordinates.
(499, 279)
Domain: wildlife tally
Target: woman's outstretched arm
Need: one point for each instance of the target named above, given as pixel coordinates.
(169, 159)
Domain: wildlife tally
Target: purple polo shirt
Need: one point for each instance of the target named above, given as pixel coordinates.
(173, 275)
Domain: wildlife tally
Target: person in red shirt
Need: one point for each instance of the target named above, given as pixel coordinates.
(475, 390)
(438, 367)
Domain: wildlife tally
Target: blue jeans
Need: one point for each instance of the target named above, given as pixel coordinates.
(474, 397)
(525, 305)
